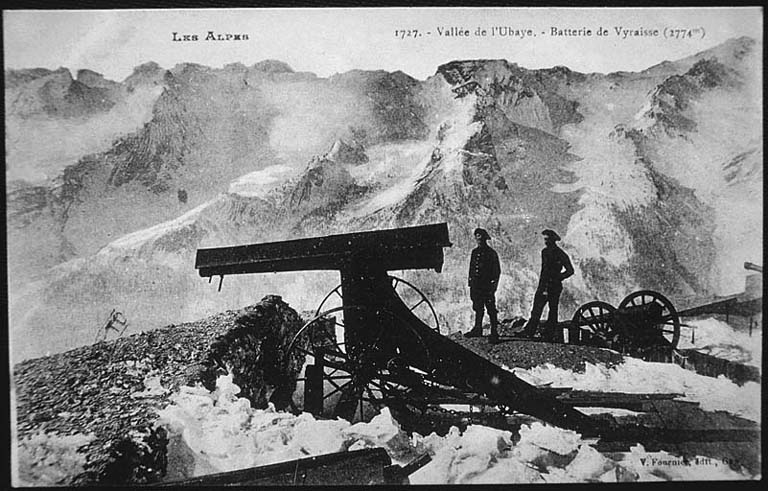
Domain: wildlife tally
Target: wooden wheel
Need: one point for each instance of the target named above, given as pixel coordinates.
(597, 318)
(666, 323)
(354, 382)
(411, 296)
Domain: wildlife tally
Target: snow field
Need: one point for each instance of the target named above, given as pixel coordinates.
(718, 339)
(637, 376)
(224, 433)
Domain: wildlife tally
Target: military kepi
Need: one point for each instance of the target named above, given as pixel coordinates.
(551, 234)
(482, 233)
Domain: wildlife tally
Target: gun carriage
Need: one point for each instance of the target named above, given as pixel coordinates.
(644, 321)
(382, 345)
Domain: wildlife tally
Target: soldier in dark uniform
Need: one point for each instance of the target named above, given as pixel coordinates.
(484, 272)
(555, 267)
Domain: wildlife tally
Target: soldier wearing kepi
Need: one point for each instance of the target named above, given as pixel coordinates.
(484, 272)
(555, 267)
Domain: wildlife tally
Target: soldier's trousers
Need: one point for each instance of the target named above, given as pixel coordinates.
(542, 298)
(482, 300)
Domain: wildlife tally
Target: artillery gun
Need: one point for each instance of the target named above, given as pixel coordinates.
(383, 347)
(373, 350)
(645, 321)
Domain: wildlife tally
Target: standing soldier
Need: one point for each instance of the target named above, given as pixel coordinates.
(484, 272)
(555, 267)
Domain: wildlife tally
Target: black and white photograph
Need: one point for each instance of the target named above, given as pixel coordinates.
(384, 246)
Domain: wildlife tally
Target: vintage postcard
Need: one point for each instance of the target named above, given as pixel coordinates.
(384, 245)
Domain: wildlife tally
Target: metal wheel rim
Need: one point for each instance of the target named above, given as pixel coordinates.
(394, 281)
(669, 318)
(601, 328)
(423, 299)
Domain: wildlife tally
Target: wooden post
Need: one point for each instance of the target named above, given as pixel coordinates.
(313, 386)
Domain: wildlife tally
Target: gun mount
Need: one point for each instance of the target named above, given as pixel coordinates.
(373, 350)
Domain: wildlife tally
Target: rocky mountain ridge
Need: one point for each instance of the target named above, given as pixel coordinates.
(249, 154)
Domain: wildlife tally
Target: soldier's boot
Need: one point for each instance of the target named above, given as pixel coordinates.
(494, 337)
(477, 331)
(550, 333)
(528, 330)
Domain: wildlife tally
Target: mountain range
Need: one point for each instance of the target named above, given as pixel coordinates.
(653, 179)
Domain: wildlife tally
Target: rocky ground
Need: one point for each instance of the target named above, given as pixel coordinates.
(100, 402)
(515, 352)
(107, 395)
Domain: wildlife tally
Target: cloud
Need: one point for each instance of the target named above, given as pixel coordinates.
(101, 43)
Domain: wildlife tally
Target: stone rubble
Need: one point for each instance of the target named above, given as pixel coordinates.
(111, 391)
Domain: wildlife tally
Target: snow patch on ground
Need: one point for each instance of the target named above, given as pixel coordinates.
(638, 376)
(615, 411)
(716, 338)
(224, 433)
(152, 386)
(546, 454)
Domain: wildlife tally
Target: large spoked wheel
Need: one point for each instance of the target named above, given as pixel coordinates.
(332, 301)
(354, 382)
(668, 322)
(416, 302)
(412, 297)
(597, 319)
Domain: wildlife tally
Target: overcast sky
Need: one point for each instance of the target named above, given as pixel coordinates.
(328, 41)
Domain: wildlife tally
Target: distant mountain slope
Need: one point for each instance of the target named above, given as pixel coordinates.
(56, 94)
(653, 179)
(206, 128)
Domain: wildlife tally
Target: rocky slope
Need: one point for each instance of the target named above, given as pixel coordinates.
(653, 179)
(104, 398)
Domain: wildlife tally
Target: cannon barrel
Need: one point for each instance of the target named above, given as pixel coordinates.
(418, 247)
(635, 313)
